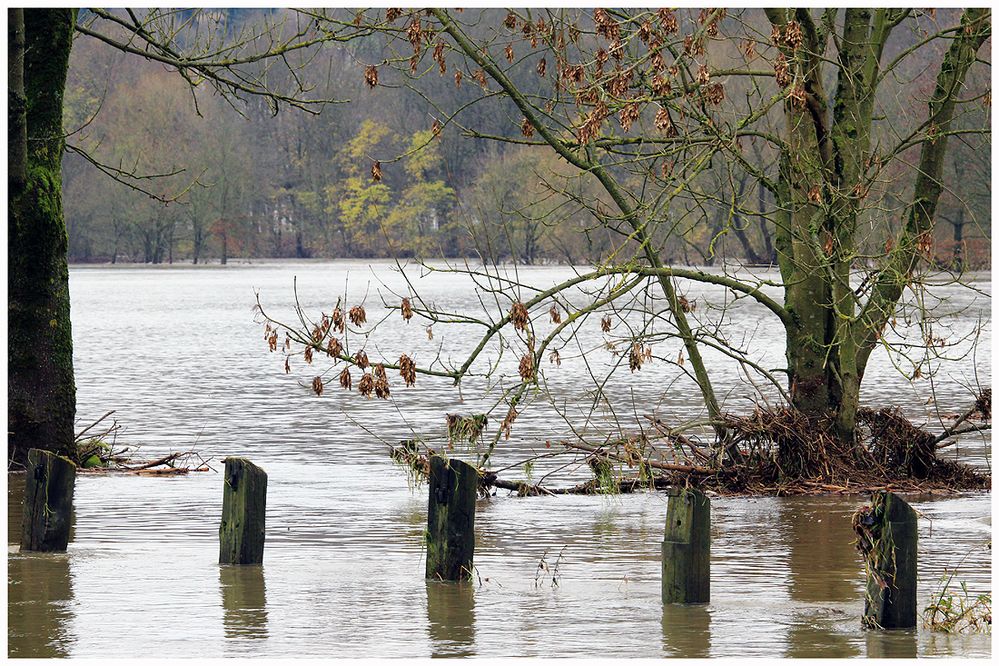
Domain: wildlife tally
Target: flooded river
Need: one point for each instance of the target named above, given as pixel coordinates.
(177, 353)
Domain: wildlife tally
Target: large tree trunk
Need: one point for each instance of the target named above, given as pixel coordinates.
(822, 180)
(41, 392)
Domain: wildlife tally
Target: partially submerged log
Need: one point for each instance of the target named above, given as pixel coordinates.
(48, 502)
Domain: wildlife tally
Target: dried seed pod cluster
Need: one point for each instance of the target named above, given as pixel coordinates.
(519, 316)
(367, 385)
(407, 370)
(527, 367)
(407, 309)
(635, 357)
(317, 386)
(357, 315)
(361, 359)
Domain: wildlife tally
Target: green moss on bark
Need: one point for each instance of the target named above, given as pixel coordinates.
(41, 389)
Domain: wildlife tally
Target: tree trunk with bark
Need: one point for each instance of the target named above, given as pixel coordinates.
(41, 390)
(823, 181)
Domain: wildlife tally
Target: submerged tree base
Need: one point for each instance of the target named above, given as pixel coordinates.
(770, 452)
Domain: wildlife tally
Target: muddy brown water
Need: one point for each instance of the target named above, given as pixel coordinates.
(176, 353)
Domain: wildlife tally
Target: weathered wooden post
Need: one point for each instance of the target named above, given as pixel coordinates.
(451, 519)
(244, 503)
(48, 502)
(687, 549)
(888, 538)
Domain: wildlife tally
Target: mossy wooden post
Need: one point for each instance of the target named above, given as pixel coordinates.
(451, 519)
(891, 567)
(48, 502)
(244, 502)
(687, 549)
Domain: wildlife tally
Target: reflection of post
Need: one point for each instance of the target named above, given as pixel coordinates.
(891, 575)
(451, 519)
(39, 608)
(244, 600)
(686, 631)
(821, 557)
(451, 619)
(822, 568)
(48, 501)
(244, 504)
(891, 645)
(686, 563)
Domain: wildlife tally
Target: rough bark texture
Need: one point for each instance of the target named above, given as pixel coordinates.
(824, 171)
(41, 391)
(48, 502)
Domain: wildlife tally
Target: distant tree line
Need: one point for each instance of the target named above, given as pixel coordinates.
(202, 178)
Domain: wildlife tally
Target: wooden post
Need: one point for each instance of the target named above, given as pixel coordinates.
(686, 561)
(48, 502)
(244, 501)
(451, 519)
(891, 565)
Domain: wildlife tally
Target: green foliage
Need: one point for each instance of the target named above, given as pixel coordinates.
(959, 613)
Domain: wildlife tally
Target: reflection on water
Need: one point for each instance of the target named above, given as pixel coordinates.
(451, 619)
(896, 644)
(686, 631)
(244, 599)
(39, 605)
(345, 552)
(823, 564)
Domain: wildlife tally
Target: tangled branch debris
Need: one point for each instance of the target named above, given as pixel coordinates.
(774, 451)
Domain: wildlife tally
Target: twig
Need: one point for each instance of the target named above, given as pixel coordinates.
(80, 434)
